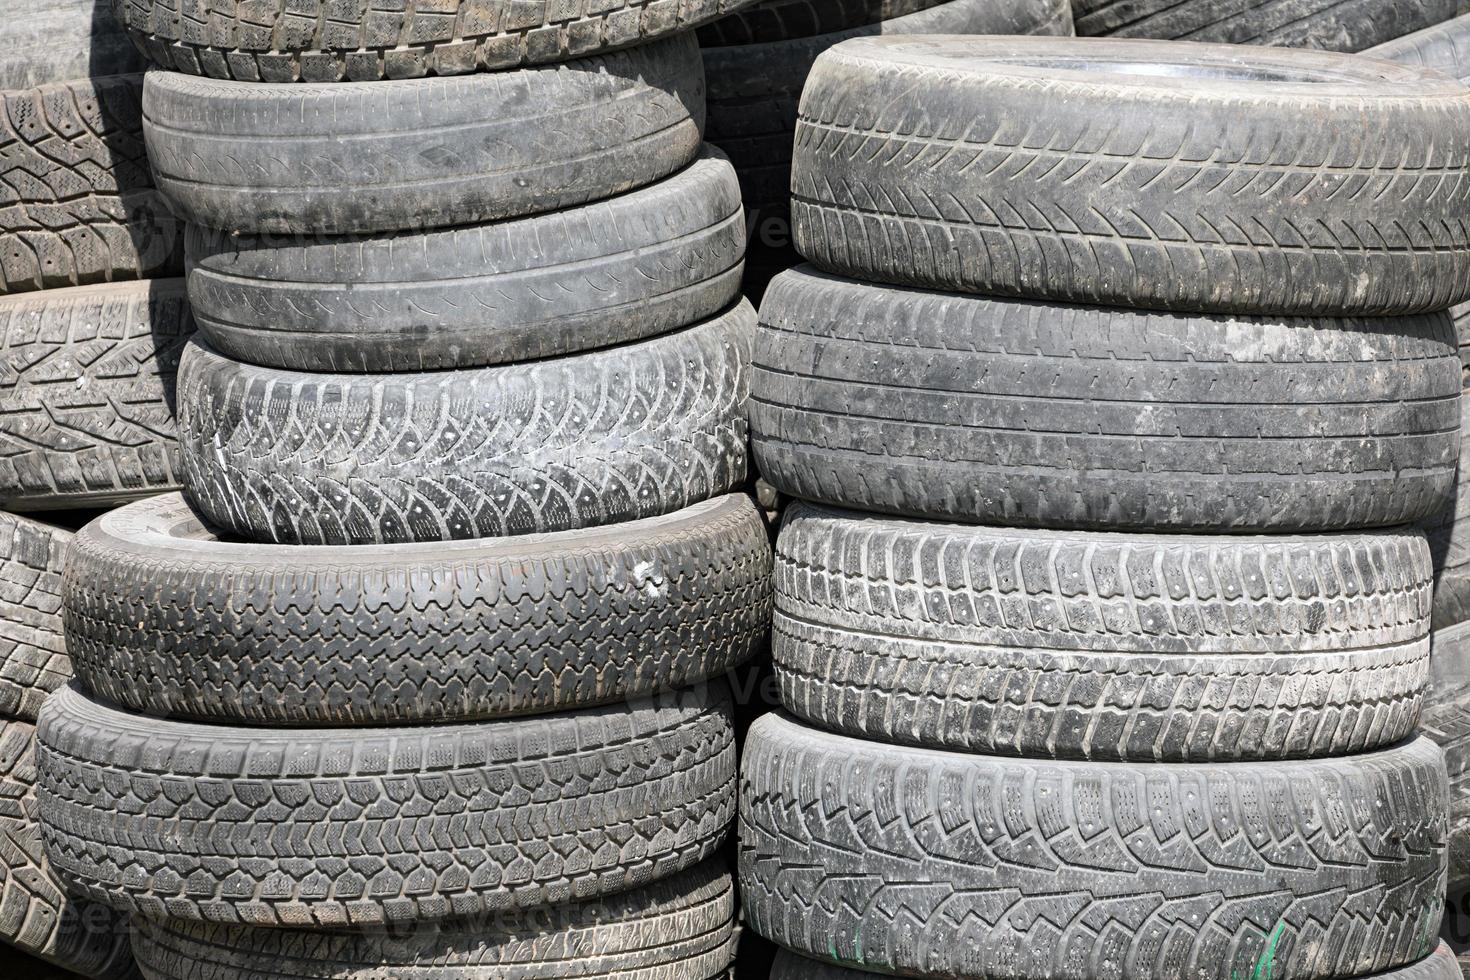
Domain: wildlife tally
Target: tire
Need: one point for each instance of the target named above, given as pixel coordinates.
(64, 40)
(87, 395)
(1446, 719)
(33, 660)
(77, 204)
(335, 827)
(165, 618)
(360, 158)
(1449, 538)
(1341, 859)
(580, 441)
(270, 40)
(1139, 186)
(994, 411)
(633, 266)
(1049, 644)
(785, 20)
(677, 929)
(1444, 47)
(37, 917)
(1335, 25)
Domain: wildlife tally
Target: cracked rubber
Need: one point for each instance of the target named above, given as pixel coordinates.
(1087, 171)
(1444, 47)
(64, 40)
(77, 203)
(940, 864)
(325, 828)
(165, 618)
(322, 41)
(998, 411)
(33, 660)
(579, 441)
(425, 153)
(36, 914)
(677, 929)
(1100, 646)
(87, 394)
(633, 266)
(1335, 25)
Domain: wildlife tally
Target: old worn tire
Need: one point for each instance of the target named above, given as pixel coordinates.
(425, 153)
(87, 394)
(1444, 47)
(784, 20)
(1309, 869)
(319, 41)
(36, 914)
(998, 411)
(77, 204)
(1449, 527)
(1101, 646)
(164, 617)
(1446, 719)
(331, 827)
(632, 266)
(64, 40)
(578, 441)
(33, 660)
(677, 929)
(1090, 171)
(1335, 25)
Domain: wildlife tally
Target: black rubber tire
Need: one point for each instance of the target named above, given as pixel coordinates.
(1446, 719)
(33, 660)
(785, 20)
(633, 266)
(64, 40)
(1089, 171)
(1323, 868)
(357, 158)
(36, 915)
(164, 618)
(1098, 646)
(1334, 25)
(334, 827)
(677, 929)
(579, 441)
(77, 203)
(1000, 411)
(288, 40)
(87, 394)
(1444, 47)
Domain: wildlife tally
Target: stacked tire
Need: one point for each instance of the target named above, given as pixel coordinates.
(1117, 383)
(422, 673)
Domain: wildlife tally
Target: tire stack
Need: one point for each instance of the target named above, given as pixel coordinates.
(1119, 377)
(757, 60)
(421, 675)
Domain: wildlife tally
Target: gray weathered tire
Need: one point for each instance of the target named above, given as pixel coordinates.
(632, 266)
(999, 411)
(61, 41)
(36, 914)
(1336, 25)
(677, 929)
(1101, 646)
(1117, 172)
(33, 660)
(1444, 47)
(940, 864)
(784, 20)
(578, 441)
(288, 40)
(1449, 527)
(1446, 719)
(426, 153)
(335, 827)
(165, 618)
(87, 393)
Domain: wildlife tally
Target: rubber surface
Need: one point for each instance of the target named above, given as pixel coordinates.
(326, 828)
(1327, 868)
(633, 266)
(64, 40)
(164, 618)
(426, 153)
(998, 411)
(1449, 538)
(1444, 47)
(677, 929)
(87, 394)
(1083, 171)
(77, 204)
(33, 660)
(1446, 719)
(1337, 25)
(579, 441)
(319, 41)
(36, 915)
(1100, 646)
(785, 20)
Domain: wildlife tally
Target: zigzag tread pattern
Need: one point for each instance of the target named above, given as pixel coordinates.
(162, 617)
(327, 828)
(33, 659)
(941, 864)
